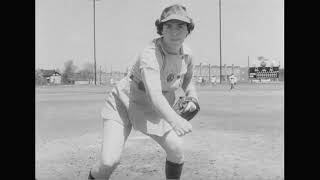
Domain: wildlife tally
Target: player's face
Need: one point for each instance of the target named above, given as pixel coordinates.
(175, 31)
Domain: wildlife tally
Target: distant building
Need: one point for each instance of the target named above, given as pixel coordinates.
(264, 72)
(207, 71)
(51, 76)
(281, 74)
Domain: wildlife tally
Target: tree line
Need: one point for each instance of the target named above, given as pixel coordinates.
(69, 73)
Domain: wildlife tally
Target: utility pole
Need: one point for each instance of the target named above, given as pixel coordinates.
(220, 41)
(232, 68)
(106, 74)
(100, 74)
(209, 73)
(94, 42)
(248, 68)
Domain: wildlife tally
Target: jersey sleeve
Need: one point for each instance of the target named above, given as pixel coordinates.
(150, 69)
(148, 60)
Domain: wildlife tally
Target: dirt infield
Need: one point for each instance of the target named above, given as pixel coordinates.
(238, 134)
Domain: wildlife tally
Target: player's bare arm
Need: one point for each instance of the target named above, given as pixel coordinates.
(190, 90)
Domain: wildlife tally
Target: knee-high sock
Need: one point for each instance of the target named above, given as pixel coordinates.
(173, 170)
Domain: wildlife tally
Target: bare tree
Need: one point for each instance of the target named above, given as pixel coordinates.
(40, 80)
(87, 72)
(69, 70)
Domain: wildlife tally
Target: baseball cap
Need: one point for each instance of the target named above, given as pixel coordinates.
(175, 11)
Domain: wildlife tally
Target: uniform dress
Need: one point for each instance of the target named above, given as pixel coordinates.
(128, 103)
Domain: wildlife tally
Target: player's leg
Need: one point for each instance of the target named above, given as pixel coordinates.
(113, 140)
(173, 146)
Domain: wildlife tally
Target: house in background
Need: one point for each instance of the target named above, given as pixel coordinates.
(52, 76)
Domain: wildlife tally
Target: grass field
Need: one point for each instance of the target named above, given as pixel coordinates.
(238, 134)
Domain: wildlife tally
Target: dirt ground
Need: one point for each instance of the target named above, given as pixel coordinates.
(238, 135)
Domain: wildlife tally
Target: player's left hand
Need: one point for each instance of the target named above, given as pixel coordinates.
(190, 107)
(186, 107)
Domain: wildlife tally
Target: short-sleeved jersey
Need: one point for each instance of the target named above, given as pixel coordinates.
(173, 70)
(233, 79)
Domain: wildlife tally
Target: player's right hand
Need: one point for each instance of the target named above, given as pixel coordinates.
(181, 126)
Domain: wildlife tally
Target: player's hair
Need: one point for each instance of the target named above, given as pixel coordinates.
(159, 26)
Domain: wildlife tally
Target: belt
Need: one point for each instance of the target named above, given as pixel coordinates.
(141, 85)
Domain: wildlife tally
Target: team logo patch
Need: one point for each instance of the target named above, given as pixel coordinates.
(170, 77)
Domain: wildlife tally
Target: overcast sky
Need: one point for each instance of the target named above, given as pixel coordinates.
(64, 31)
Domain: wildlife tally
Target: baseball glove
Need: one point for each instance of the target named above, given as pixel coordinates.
(182, 103)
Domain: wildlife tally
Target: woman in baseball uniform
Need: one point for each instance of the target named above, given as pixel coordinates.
(144, 98)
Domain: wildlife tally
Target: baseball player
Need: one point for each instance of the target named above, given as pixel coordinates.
(145, 98)
(213, 80)
(233, 80)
